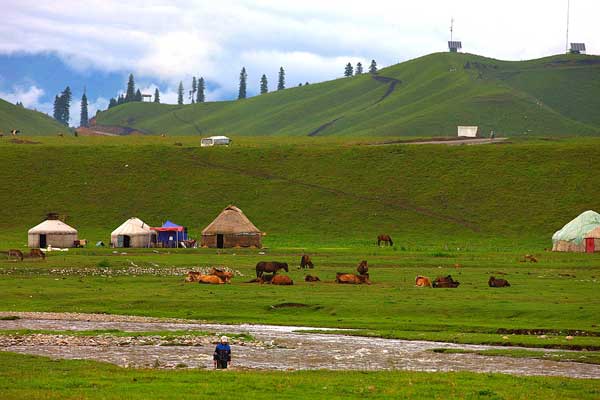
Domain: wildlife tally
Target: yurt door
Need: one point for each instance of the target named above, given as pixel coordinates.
(126, 241)
(43, 242)
(219, 241)
(590, 245)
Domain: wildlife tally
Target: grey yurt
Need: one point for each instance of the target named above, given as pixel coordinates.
(231, 228)
(52, 232)
(133, 233)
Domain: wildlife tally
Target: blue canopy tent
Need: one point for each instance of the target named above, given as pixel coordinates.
(171, 234)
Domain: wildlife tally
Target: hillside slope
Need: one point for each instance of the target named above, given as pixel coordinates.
(428, 96)
(29, 122)
(319, 195)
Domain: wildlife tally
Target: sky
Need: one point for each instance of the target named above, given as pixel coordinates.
(47, 45)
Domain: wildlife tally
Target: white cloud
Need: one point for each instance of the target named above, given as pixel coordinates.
(30, 96)
(169, 41)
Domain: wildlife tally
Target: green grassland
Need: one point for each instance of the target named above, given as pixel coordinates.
(433, 94)
(29, 122)
(67, 379)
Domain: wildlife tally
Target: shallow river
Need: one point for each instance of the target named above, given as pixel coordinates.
(277, 348)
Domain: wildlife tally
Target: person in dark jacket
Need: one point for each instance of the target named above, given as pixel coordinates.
(222, 355)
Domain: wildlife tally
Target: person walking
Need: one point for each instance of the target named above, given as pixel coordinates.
(222, 355)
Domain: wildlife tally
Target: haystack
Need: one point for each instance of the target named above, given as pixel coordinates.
(133, 233)
(231, 228)
(580, 235)
(52, 232)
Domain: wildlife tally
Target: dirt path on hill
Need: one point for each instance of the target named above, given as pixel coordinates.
(447, 142)
(274, 348)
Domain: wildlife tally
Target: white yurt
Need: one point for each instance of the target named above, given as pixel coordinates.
(52, 232)
(582, 234)
(133, 233)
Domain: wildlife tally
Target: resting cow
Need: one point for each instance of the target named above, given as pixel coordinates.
(493, 282)
(306, 262)
(363, 267)
(445, 282)
(422, 281)
(282, 280)
(352, 279)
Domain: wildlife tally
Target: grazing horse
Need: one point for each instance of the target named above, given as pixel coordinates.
(37, 253)
(363, 268)
(270, 266)
(386, 239)
(493, 282)
(305, 262)
(445, 282)
(15, 253)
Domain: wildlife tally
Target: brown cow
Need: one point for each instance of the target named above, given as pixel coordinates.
(386, 239)
(224, 275)
(305, 262)
(493, 282)
(210, 279)
(422, 281)
(310, 278)
(352, 279)
(445, 282)
(363, 267)
(282, 280)
(37, 253)
(15, 253)
(193, 276)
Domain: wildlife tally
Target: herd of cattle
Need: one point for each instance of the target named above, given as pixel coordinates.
(266, 273)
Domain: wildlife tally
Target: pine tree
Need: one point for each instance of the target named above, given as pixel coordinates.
(138, 96)
(243, 78)
(373, 67)
(359, 69)
(112, 103)
(130, 94)
(120, 99)
(180, 93)
(64, 104)
(194, 89)
(200, 96)
(281, 80)
(348, 71)
(83, 121)
(156, 96)
(264, 84)
(56, 113)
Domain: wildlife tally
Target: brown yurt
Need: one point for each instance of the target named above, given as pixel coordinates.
(52, 232)
(231, 229)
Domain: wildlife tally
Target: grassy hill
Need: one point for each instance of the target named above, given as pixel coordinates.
(305, 192)
(428, 96)
(29, 122)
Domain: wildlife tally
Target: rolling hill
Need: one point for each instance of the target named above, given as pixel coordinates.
(428, 96)
(29, 122)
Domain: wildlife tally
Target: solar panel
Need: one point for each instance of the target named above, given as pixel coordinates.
(455, 45)
(577, 46)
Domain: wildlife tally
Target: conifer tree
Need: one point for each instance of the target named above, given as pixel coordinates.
(180, 93)
(348, 71)
(138, 95)
(373, 67)
(112, 103)
(359, 69)
(56, 113)
(130, 94)
(243, 78)
(120, 99)
(200, 96)
(264, 84)
(62, 105)
(156, 96)
(281, 80)
(83, 121)
(194, 89)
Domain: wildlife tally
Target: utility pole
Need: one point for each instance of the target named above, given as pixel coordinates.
(567, 41)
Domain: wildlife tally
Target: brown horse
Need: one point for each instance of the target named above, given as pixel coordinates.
(270, 266)
(363, 267)
(445, 282)
(37, 253)
(352, 279)
(15, 253)
(386, 239)
(493, 282)
(282, 280)
(310, 278)
(305, 262)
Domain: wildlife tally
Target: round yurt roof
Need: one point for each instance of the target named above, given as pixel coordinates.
(579, 228)
(231, 220)
(131, 227)
(53, 226)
